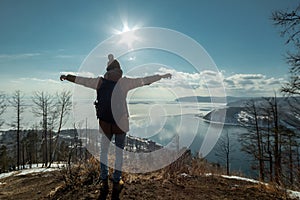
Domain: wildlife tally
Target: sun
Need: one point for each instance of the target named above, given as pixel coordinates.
(125, 28)
(127, 35)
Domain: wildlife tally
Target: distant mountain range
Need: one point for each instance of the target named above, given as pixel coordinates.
(207, 99)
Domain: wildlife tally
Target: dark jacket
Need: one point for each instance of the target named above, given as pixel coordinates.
(124, 85)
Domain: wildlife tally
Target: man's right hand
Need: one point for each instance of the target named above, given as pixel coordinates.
(168, 75)
(63, 77)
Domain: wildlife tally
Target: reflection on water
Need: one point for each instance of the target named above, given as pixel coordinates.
(183, 121)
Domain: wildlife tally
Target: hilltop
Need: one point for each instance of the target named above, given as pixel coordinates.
(172, 182)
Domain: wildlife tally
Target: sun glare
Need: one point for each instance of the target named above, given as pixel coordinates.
(127, 35)
(125, 28)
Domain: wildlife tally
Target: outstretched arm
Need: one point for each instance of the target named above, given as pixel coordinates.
(93, 83)
(138, 82)
(168, 75)
(68, 77)
(151, 79)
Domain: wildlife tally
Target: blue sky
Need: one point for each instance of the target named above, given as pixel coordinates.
(41, 39)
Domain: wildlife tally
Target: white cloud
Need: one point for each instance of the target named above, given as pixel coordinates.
(273, 81)
(65, 56)
(250, 76)
(39, 80)
(185, 84)
(18, 56)
(70, 56)
(83, 73)
(180, 79)
(203, 80)
(251, 84)
(212, 82)
(29, 85)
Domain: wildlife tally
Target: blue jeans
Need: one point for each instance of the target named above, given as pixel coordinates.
(105, 142)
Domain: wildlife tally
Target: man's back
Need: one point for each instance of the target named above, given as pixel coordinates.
(103, 102)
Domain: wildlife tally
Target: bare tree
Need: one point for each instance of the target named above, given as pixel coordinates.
(269, 138)
(294, 111)
(252, 142)
(3, 106)
(43, 107)
(17, 103)
(30, 145)
(273, 106)
(289, 22)
(63, 108)
(290, 154)
(268, 143)
(224, 150)
(52, 122)
(3, 159)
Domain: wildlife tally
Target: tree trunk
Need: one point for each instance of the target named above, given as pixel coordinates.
(277, 164)
(259, 148)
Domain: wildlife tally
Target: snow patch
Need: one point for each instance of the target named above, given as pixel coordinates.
(5, 175)
(294, 194)
(36, 169)
(208, 174)
(241, 178)
(185, 175)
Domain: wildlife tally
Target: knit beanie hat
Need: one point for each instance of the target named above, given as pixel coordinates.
(112, 63)
(114, 74)
(110, 59)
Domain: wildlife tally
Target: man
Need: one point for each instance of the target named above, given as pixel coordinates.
(113, 117)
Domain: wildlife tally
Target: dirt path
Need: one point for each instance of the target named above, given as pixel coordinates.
(31, 186)
(207, 188)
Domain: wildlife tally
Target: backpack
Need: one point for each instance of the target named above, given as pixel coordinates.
(103, 101)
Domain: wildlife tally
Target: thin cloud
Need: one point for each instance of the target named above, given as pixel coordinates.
(39, 80)
(19, 56)
(84, 74)
(65, 56)
(31, 84)
(246, 77)
(229, 83)
(69, 56)
(273, 81)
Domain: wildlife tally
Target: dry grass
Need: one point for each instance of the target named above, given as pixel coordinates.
(81, 179)
(82, 173)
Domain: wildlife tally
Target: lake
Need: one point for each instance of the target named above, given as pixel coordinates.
(178, 125)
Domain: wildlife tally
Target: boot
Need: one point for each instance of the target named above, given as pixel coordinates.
(117, 188)
(103, 189)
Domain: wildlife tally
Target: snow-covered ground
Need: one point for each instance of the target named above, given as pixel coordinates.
(36, 168)
(292, 194)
